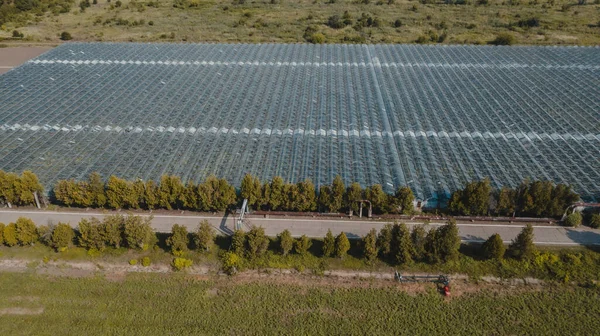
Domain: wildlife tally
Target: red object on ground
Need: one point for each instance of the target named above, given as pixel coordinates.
(447, 290)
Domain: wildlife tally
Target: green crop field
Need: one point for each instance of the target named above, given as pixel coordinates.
(184, 305)
(544, 22)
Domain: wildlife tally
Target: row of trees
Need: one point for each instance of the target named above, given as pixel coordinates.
(19, 190)
(302, 196)
(217, 195)
(531, 198)
(211, 195)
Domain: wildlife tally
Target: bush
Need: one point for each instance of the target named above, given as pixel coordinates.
(317, 38)
(118, 3)
(66, 36)
(138, 232)
(574, 219)
(402, 244)
(257, 242)
(302, 245)
(10, 235)
(370, 246)
(204, 237)
(91, 235)
(522, 246)
(504, 39)
(595, 221)
(133, 262)
(238, 242)
(62, 236)
(26, 231)
(286, 242)
(342, 245)
(146, 261)
(493, 248)
(329, 244)
(180, 264)
(17, 34)
(231, 262)
(2, 226)
(178, 241)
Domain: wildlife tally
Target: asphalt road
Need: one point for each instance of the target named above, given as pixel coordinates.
(469, 232)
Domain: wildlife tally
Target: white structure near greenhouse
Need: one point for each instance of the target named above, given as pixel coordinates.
(430, 117)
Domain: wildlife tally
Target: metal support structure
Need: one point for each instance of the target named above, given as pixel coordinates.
(576, 205)
(243, 211)
(441, 280)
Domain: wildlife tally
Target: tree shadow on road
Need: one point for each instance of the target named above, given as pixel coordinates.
(223, 226)
(585, 238)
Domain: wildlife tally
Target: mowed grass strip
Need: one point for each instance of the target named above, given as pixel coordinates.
(154, 304)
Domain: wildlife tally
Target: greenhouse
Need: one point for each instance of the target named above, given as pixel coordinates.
(429, 117)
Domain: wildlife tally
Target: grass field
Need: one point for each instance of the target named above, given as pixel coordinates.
(401, 21)
(184, 305)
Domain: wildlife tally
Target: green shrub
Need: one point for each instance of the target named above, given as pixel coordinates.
(286, 242)
(574, 219)
(26, 231)
(317, 38)
(342, 245)
(178, 240)
(66, 36)
(522, 246)
(133, 262)
(595, 221)
(146, 261)
(204, 237)
(493, 248)
(181, 263)
(2, 226)
(504, 39)
(231, 262)
(302, 245)
(62, 236)
(329, 244)
(369, 243)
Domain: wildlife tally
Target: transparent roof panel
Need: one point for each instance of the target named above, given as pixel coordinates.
(430, 117)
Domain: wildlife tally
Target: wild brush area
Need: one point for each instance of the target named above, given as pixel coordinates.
(151, 304)
(531, 22)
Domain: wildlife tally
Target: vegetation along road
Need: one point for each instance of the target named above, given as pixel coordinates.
(469, 232)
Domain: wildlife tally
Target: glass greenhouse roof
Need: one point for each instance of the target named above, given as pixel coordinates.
(430, 117)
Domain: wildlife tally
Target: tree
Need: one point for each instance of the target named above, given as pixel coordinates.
(189, 197)
(307, 198)
(26, 231)
(522, 246)
(507, 201)
(179, 240)
(370, 246)
(337, 194)
(286, 242)
(111, 230)
(96, 190)
(151, 198)
(66, 36)
(257, 242)
(342, 245)
(276, 194)
(216, 194)
(404, 199)
(62, 236)
(8, 182)
(329, 244)
(595, 221)
(384, 241)
(574, 219)
(378, 198)
(119, 194)
(2, 227)
(238, 242)
(10, 235)
(26, 5)
(562, 197)
(417, 237)
(169, 192)
(205, 236)
(324, 198)
(138, 232)
(493, 248)
(353, 194)
(27, 185)
(402, 244)
(302, 245)
(90, 234)
(449, 241)
(251, 189)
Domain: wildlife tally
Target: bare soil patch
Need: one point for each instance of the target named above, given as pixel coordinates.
(21, 311)
(13, 57)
